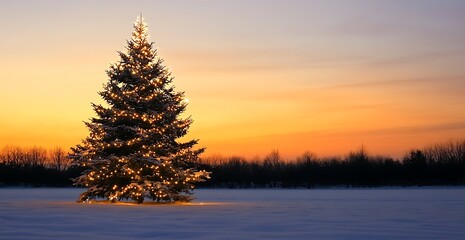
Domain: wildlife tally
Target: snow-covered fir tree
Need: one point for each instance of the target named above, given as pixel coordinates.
(134, 149)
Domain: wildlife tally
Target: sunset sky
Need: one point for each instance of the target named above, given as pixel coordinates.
(294, 76)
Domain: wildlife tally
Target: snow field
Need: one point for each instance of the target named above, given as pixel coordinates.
(410, 213)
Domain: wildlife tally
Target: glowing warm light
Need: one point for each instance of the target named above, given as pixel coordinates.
(134, 139)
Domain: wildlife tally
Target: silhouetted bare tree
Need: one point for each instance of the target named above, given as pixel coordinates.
(59, 159)
(438, 164)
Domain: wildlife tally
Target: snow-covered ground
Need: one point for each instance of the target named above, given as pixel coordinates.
(411, 213)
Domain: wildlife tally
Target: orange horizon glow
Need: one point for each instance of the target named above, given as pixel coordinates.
(284, 77)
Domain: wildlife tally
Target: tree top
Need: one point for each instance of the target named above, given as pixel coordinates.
(140, 32)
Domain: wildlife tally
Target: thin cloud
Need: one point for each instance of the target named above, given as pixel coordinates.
(395, 82)
(377, 83)
(417, 129)
(418, 57)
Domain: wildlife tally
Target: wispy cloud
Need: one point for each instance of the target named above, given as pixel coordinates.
(377, 83)
(396, 82)
(417, 129)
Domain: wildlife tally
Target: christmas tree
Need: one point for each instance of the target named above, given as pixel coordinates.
(133, 150)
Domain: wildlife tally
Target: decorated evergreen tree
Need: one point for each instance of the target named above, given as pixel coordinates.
(133, 150)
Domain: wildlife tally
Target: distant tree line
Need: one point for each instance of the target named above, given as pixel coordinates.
(36, 166)
(439, 164)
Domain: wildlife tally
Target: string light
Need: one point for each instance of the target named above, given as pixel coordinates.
(132, 144)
